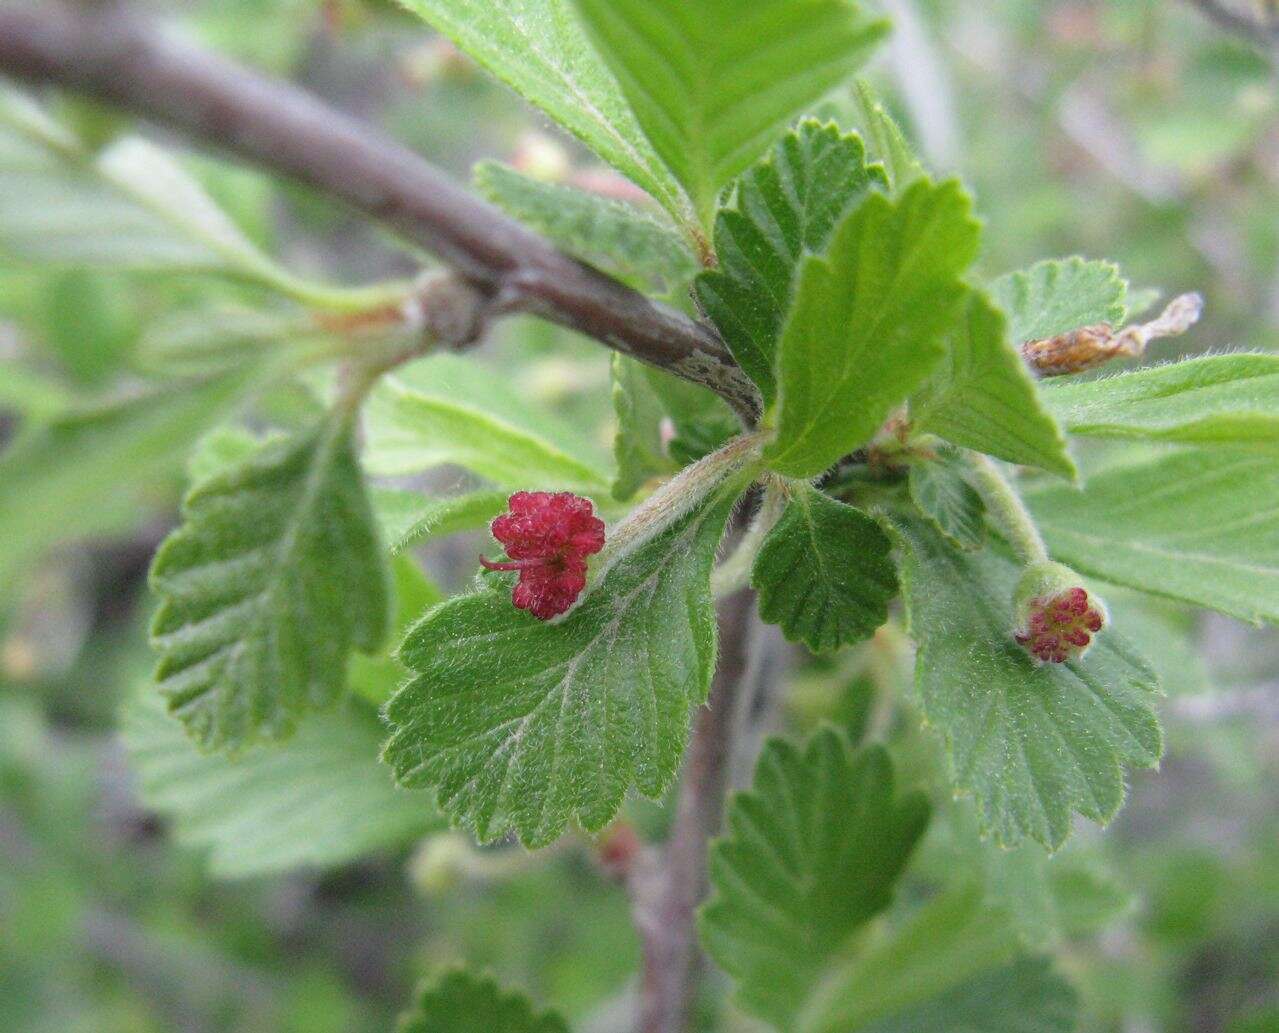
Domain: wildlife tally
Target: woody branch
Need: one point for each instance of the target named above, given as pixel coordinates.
(107, 54)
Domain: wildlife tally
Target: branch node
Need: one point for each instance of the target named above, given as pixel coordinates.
(448, 309)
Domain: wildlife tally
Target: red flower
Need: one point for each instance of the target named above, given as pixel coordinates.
(1060, 627)
(547, 537)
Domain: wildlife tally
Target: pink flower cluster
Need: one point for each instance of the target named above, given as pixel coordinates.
(1060, 627)
(547, 538)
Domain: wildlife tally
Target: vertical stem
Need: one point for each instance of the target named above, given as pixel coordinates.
(668, 888)
(1008, 511)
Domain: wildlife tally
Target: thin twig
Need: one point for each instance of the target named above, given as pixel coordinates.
(121, 60)
(666, 886)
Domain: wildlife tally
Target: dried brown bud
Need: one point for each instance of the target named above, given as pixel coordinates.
(1091, 346)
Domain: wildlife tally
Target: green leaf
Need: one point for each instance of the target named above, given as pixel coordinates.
(701, 436)
(1030, 743)
(1141, 300)
(459, 1002)
(375, 678)
(983, 397)
(644, 399)
(953, 967)
(869, 321)
(522, 724)
(1217, 399)
(811, 855)
(58, 203)
(1199, 526)
(1086, 897)
(94, 471)
(785, 205)
(130, 207)
(223, 447)
(539, 49)
(89, 323)
(702, 421)
(1055, 296)
(1047, 897)
(407, 518)
(812, 852)
(631, 244)
(451, 410)
(1166, 632)
(824, 573)
(938, 487)
(275, 575)
(1025, 996)
(638, 445)
(714, 83)
(888, 142)
(208, 337)
(318, 800)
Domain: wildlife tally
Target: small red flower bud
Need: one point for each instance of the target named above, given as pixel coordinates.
(547, 537)
(1058, 619)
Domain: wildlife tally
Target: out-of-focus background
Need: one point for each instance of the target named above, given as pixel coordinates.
(1136, 130)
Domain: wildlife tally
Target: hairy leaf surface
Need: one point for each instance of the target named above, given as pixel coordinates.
(1218, 399)
(714, 83)
(1057, 295)
(318, 800)
(824, 573)
(982, 397)
(451, 410)
(1197, 525)
(943, 494)
(887, 142)
(785, 205)
(1030, 743)
(644, 249)
(539, 49)
(869, 321)
(408, 518)
(521, 724)
(274, 577)
(810, 855)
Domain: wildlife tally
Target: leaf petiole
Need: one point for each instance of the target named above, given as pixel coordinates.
(1007, 510)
